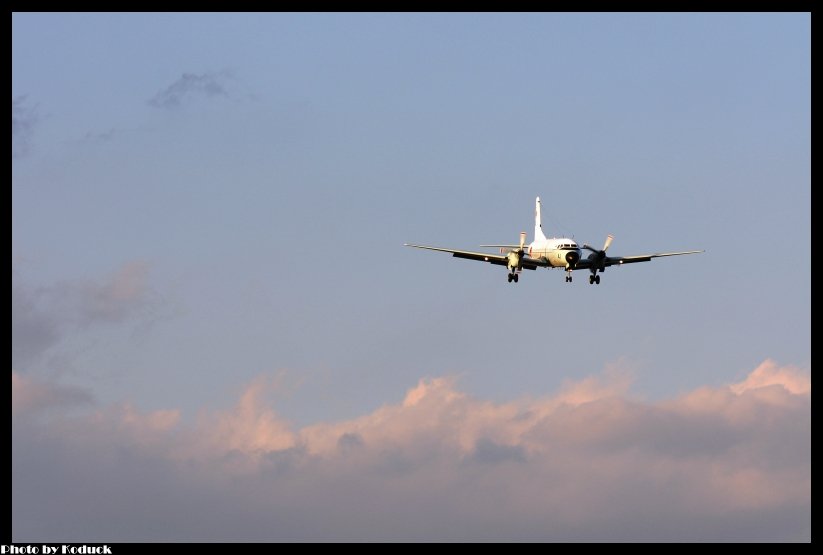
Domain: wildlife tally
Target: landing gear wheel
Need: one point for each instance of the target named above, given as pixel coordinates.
(591, 280)
(515, 278)
(597, 280)
(510, 278)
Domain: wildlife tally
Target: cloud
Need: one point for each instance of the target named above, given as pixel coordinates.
(101, 137)
(487, 451)
(189, 87)
(251, 427)
(615, 380)
(113, 301)
(769, 373)
(29, 396)
(23, 120)
(42, 316)
(33, 331)
(717, 464)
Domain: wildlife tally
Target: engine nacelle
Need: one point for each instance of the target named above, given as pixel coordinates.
(513, 259)
(598, 260)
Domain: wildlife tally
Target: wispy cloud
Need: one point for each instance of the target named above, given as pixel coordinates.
(189, 87)
(42, 316)
(101, 137)
(30, 396)
(23, 120)
(729, 463)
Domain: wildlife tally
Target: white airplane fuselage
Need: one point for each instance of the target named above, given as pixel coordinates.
(558, 252)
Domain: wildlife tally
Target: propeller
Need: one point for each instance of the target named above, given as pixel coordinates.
(515, 254)
(598, 257)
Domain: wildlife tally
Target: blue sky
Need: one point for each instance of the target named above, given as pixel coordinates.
(202, 201)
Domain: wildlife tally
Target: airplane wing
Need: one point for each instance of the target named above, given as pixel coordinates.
(617, 260)
(499, 259)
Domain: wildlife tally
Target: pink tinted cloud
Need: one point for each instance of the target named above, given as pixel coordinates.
(42, 317)
(729, 463)
(769, 373)
(31, 396)
(251, 427)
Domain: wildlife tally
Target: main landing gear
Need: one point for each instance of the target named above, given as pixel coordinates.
(594, 278)
(512, 278)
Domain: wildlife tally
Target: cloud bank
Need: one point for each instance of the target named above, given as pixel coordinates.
(586, 464)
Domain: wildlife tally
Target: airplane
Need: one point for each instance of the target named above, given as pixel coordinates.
(551, 253)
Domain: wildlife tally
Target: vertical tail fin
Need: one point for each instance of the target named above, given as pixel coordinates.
(538, 228)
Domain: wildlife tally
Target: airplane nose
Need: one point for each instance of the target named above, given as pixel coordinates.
(572, 257)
